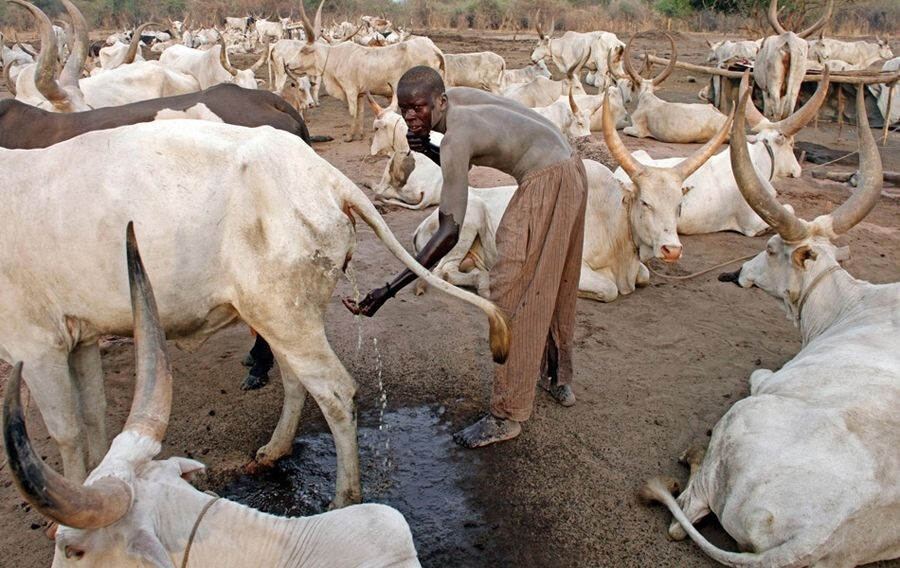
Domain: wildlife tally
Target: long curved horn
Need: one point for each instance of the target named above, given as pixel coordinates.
(79, 506)
(690, 164)
(773, 18)
(45, 70)
(376, 108)
(307, 27)
(755, 119)
(149, 415)
(763, 202)
(223, 57)
(616, 147)
(135, 42)
(868, 192)
(626, 63)
(820, 23)
(71, 72)
(10, 84)
(263, 57)
(537, 23)
(797, 120)
(664, 74)
(317, 21)
(572, 104)
(609, 65)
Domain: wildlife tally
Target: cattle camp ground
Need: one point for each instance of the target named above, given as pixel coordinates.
(655, 370)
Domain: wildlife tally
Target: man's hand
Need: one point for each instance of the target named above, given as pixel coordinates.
(371, 303)
(417, 143)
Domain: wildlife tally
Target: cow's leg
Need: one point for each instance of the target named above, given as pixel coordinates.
(353, 106)
(49, 380)
(261, 363)
(292, 407)
(758, 379)
(88, 377)
(694, 505)
(595, 286)
(643, 276)
(321, 372)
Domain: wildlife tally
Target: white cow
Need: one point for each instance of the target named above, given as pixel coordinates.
(626, 223)
(712, 201)
(804, 471)
(267, 31)
(37, 84)
(410, 180)
(541, 91)
(888, 96)
(122, 53)
(211, 67)
(348, 70)
(781, 64)
(725, 52)
(481, 70)
(525, 74)
(134, 511)
(566, 115)
(667, 121)
(239, 24)
(858, 54)
(260, 201)
(596, 49)
(595, 102)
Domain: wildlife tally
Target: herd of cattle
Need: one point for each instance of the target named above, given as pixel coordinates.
(224, 205)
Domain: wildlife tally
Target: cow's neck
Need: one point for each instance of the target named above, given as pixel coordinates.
(829, 296)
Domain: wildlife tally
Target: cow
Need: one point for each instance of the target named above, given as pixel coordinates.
(37, 84)
(482, 70)
(726, 52)
(781, 64)
(625, 223)
(267, 31)
(542, 91)
(525, 74)
(597, 49)
(134, 510)
(804, 471)
(117, 54)
(595, 102)
(566, 115)
(712, 201)
(410, 180)
(667, 121)
(239, 24)
(297, 91)
(858, 54)
(348, 70)
(218, 205)
(211, 67)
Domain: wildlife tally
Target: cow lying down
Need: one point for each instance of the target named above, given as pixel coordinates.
(804, 472)
(137, 511)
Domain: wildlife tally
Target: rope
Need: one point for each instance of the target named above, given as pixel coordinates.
(809, 289)
(839, 159)
(187, 549)
(702, 272)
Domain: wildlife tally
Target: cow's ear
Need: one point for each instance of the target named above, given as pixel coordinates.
(801, 254)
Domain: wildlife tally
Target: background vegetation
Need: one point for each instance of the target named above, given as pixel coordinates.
(745, 17)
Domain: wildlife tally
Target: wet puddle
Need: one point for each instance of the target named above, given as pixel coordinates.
(407, 460)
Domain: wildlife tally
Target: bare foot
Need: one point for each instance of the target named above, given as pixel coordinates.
(488, 430)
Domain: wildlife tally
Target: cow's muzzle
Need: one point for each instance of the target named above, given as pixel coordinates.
(731, 277)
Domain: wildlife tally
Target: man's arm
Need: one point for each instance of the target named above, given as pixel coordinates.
(423, 145)
(451, 212)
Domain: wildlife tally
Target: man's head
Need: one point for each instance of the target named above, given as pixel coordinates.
(420, 95)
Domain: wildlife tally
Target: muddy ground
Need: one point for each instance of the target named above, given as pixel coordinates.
(654, 372)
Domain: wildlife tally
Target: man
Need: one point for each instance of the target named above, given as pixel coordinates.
(539, 239)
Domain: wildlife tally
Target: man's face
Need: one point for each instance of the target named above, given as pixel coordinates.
(418, 110)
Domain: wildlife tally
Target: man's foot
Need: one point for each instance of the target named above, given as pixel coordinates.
(562, 394)
(488, 430)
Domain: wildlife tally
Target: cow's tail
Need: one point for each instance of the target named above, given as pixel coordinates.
(499, 326)
(791, 553)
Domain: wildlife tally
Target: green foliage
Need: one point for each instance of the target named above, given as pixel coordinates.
(673, 8)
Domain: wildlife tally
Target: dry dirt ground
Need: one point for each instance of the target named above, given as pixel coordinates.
(655, 371)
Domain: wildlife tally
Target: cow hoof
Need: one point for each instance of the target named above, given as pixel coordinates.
(253, 383)
(248, 361)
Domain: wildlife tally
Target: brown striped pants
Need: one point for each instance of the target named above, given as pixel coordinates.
(535, 280)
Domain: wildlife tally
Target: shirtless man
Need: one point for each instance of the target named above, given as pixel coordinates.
(539, 239)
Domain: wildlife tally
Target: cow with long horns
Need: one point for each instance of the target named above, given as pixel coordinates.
(804, 471)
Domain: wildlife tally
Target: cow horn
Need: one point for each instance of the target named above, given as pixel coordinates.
(262, 58)
(317, 22)
(868, 192)
(773, 18)
(572, 104)
(223, 57)
(626, 63)
(45, 69)
(136, 42)
(820, 23)
(690, 164)
(71, 73)
(79, 506)
(753, 189)
(664, 74)
(755, 119)
(307, 27)
(609, 64)
(537, 23)
(376, 108)
(616, 147)
(10, 84)
(797, 120)
(149, 415)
